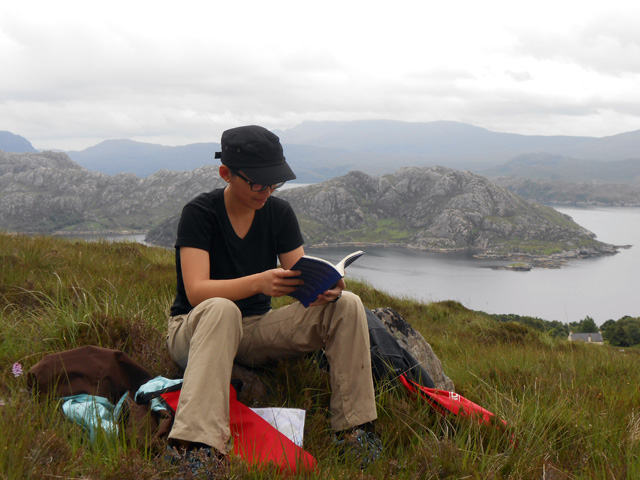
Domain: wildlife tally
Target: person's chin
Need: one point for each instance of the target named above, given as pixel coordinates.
(261, 202)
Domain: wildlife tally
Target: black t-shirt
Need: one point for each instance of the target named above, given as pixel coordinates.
(204, 224)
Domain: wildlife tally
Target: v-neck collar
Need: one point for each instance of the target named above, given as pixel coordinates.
(229, 225)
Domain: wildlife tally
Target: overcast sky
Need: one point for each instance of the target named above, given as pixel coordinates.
(75, 73)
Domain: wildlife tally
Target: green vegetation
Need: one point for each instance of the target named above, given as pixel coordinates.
(623, 333)
(539, 247)
(375, 231)
(553, 328)
(380, 231)
(573, 410)
(586, 325)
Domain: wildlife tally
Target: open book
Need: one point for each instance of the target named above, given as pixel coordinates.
(319, 275)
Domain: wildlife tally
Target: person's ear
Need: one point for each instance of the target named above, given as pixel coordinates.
(225, 173)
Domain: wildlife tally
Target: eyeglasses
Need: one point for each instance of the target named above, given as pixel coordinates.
(256, 187)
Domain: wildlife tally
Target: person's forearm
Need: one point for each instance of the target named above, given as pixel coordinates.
(233, 289)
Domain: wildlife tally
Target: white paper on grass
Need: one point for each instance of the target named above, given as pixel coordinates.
(288, 421)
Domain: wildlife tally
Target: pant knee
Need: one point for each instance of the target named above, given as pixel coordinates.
(219, 313)
(350, 297)
(218, 334)
(215, 318)
(351, 303)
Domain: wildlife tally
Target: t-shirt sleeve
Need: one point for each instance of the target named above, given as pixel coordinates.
(194, 228)
(289, 237)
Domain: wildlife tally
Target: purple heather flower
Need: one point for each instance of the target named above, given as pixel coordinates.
(16, 369)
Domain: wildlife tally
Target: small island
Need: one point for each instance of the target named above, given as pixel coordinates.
(515, 267)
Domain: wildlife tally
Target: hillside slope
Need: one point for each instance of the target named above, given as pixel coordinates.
(10, 142)
(436, 209)
(46, 192)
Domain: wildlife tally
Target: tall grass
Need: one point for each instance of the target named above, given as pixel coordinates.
(572, 410)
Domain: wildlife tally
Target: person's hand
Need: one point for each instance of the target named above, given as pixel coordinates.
(278, 282)
(331, 295)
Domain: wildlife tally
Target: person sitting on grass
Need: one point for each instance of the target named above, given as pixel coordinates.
(229, 242)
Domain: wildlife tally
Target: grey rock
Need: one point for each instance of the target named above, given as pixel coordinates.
(434, 208)
(45, 192)
(413, 341)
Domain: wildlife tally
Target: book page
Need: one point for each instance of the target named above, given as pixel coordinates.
(348, 260)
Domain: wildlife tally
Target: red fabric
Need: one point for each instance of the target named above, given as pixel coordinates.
(444, 401)
(255, 440)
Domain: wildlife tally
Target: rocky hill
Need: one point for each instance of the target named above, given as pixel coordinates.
(571, 170)
(429, 208)
(437, 209)
(558, 192)
(558, 180)
(48, 192)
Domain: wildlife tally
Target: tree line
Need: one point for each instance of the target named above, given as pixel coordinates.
(624, 332)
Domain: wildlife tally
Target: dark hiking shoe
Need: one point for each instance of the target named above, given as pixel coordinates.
(365, 447)
(199, 462)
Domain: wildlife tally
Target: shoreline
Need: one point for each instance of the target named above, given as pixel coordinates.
(522, 261)
(62, 233)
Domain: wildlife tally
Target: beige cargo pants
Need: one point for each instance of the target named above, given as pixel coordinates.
(207, 341)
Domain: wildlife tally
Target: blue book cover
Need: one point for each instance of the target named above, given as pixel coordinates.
(319, 275)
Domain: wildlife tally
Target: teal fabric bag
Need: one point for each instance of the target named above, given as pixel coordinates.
(94, 413)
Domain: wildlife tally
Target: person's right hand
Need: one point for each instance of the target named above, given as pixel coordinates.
(279, 282)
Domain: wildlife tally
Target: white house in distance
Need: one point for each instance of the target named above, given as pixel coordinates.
(587, 338)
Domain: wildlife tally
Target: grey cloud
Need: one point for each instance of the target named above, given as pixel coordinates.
(100, 81)
(520, 76)
(609, 45)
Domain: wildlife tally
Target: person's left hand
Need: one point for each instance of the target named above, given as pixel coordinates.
(330, 295)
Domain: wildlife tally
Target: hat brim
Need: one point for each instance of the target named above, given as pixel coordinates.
(269, 175)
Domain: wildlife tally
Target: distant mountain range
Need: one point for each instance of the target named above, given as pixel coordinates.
(454, 144)
(143, 159)
(319, 151)
(546, 166)
(10, 142)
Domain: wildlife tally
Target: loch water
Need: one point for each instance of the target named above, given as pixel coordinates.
(603, 288)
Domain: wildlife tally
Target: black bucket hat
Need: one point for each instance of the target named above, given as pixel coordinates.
(257, 152)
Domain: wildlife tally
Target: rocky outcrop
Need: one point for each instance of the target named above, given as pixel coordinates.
(164, 234)
(45, 192)
(557, 192)
(437, 209)
(413, 342)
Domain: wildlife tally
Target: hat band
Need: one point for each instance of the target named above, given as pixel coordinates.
(240, 159)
